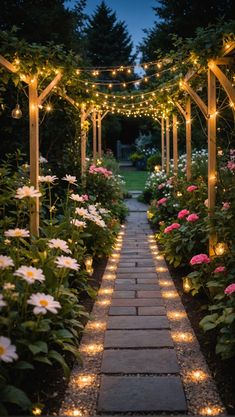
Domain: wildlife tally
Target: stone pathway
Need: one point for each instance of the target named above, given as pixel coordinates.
(139, 368)
(139, 353)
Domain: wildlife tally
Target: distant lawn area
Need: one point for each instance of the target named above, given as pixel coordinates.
(135, 180)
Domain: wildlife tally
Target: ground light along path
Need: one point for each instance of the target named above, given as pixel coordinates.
(139, 352)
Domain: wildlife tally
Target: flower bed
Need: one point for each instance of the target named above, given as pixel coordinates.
(43, 280)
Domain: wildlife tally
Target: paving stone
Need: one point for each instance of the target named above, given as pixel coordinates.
(137, 287)
(138, 269)
(138, 302)
(138, 322)
(127, 265)
(148, 294)
(145, 361)
(146, 281)
(122, 311)
(123, 294)
(151, 311)
(137, 339)
(125, 281)
(141, 394)
(136, 274)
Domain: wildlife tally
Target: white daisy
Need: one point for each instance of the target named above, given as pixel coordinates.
(77, 197)
(30, 274)
(16, 233)
(26, 191)
(7, 350)
(81, 212)
(49, 179)
(43, 303)
(59, 244)
(2, 302)
(5, 262)
(8, 286)
(70, 178)
(78, 223)
(67, 262)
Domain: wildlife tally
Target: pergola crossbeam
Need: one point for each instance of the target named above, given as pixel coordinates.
(224, 81)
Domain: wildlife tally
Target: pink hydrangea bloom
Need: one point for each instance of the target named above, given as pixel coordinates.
(173, 226)
(230, 289)
(192, 188)
(182, 213)
(231, 165)
(162, 201)
(100, 170)
(192, 217)
(219, 269)
(202, 258)
(226, 205)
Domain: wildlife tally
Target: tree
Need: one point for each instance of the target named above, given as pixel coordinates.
(182, 17)
(107, 40)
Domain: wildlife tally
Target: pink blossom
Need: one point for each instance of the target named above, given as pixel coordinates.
(162, 201)
(219, 269)
(232, 151)
(173, 226)
(182, 213)
(230, 289)
(85, 197)
(231, 165)
(162, 185)
(100, 170)
(202, 258)
(226, 205)
(192, 217)
(192, 188)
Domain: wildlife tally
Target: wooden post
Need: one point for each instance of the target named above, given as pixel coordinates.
(163, 142)
(211, 154)
(99, 135)
(34, 152)
(94, 136)
(83, 140)
(167, 146)
(175, 143)
(188, 139)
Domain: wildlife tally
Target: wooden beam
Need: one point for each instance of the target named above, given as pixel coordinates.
(202, 106)
(224, 61)
(34, 152)
(99, 135)
(43, 96)
(94, 120)
(224, 81)
(182, 111)
(167, 146)
(6, 64)
(189, 75)
(229, 47)
(104, 114)
(211, 154)
(83, 140)
(175, 143)
(188, 139)
(163, 142)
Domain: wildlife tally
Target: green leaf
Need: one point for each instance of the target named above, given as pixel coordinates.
(23, 365)
(63, 334)
(73, 349)
(38, 347)
(13, 395)
(53, 354)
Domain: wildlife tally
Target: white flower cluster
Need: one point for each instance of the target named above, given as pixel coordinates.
(92, 213)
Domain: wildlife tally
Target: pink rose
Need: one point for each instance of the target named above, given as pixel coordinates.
(231, 165)
(85, 197)
(162, 201)
(202, 258)
(192, 217)
(182, 214)
(230, 289)
(173, 226)
(192, 188)
(219, 269)
(226, 205)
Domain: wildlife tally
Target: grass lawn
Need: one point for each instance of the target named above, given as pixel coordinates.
(135, 180)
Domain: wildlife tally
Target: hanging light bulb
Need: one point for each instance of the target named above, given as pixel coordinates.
(16, 112)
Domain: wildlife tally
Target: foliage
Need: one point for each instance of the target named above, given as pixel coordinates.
(153, 160)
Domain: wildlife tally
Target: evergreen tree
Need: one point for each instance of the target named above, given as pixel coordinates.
(182, 17)
(107, 42)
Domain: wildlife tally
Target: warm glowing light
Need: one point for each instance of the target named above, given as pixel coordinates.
(186, 284)
(182, 337)
(16, 112)
(210, 411)
(106, 291)
(36, 411)
(157, 168)
(155, 252)
(152, 247)
(109, 277)
(104, 302)
(111, 268)
(221, 248)
(115, 256)
(176, 315)
(162, 269)
(197, 375)
(179, 194)
(96, 325)
(92, 349)
(48, 107)
(85, 380)
(159, 257)
(165, 283)
(170, 294)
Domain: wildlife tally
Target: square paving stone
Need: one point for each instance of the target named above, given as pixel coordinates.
(138, 269)
(138, 322)
(122, 311)
(136, 274)
(126, 265)
(125, 281)
(141, 394)
(137, 302)
(137, 339)
(149, 294)
(136, 287)
(123, 294)
(151, 311)
(146, 281)
(144, 361)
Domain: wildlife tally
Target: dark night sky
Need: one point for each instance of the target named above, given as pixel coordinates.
(137, 14)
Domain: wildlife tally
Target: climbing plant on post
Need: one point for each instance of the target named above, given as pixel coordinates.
(175, 143)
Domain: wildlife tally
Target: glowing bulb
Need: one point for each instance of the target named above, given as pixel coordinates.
(182, 337)
(176, 315)
(36, 411)
(210, 411)
(48, 107)
(16, 112)
(85, 380)
(170, 294)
